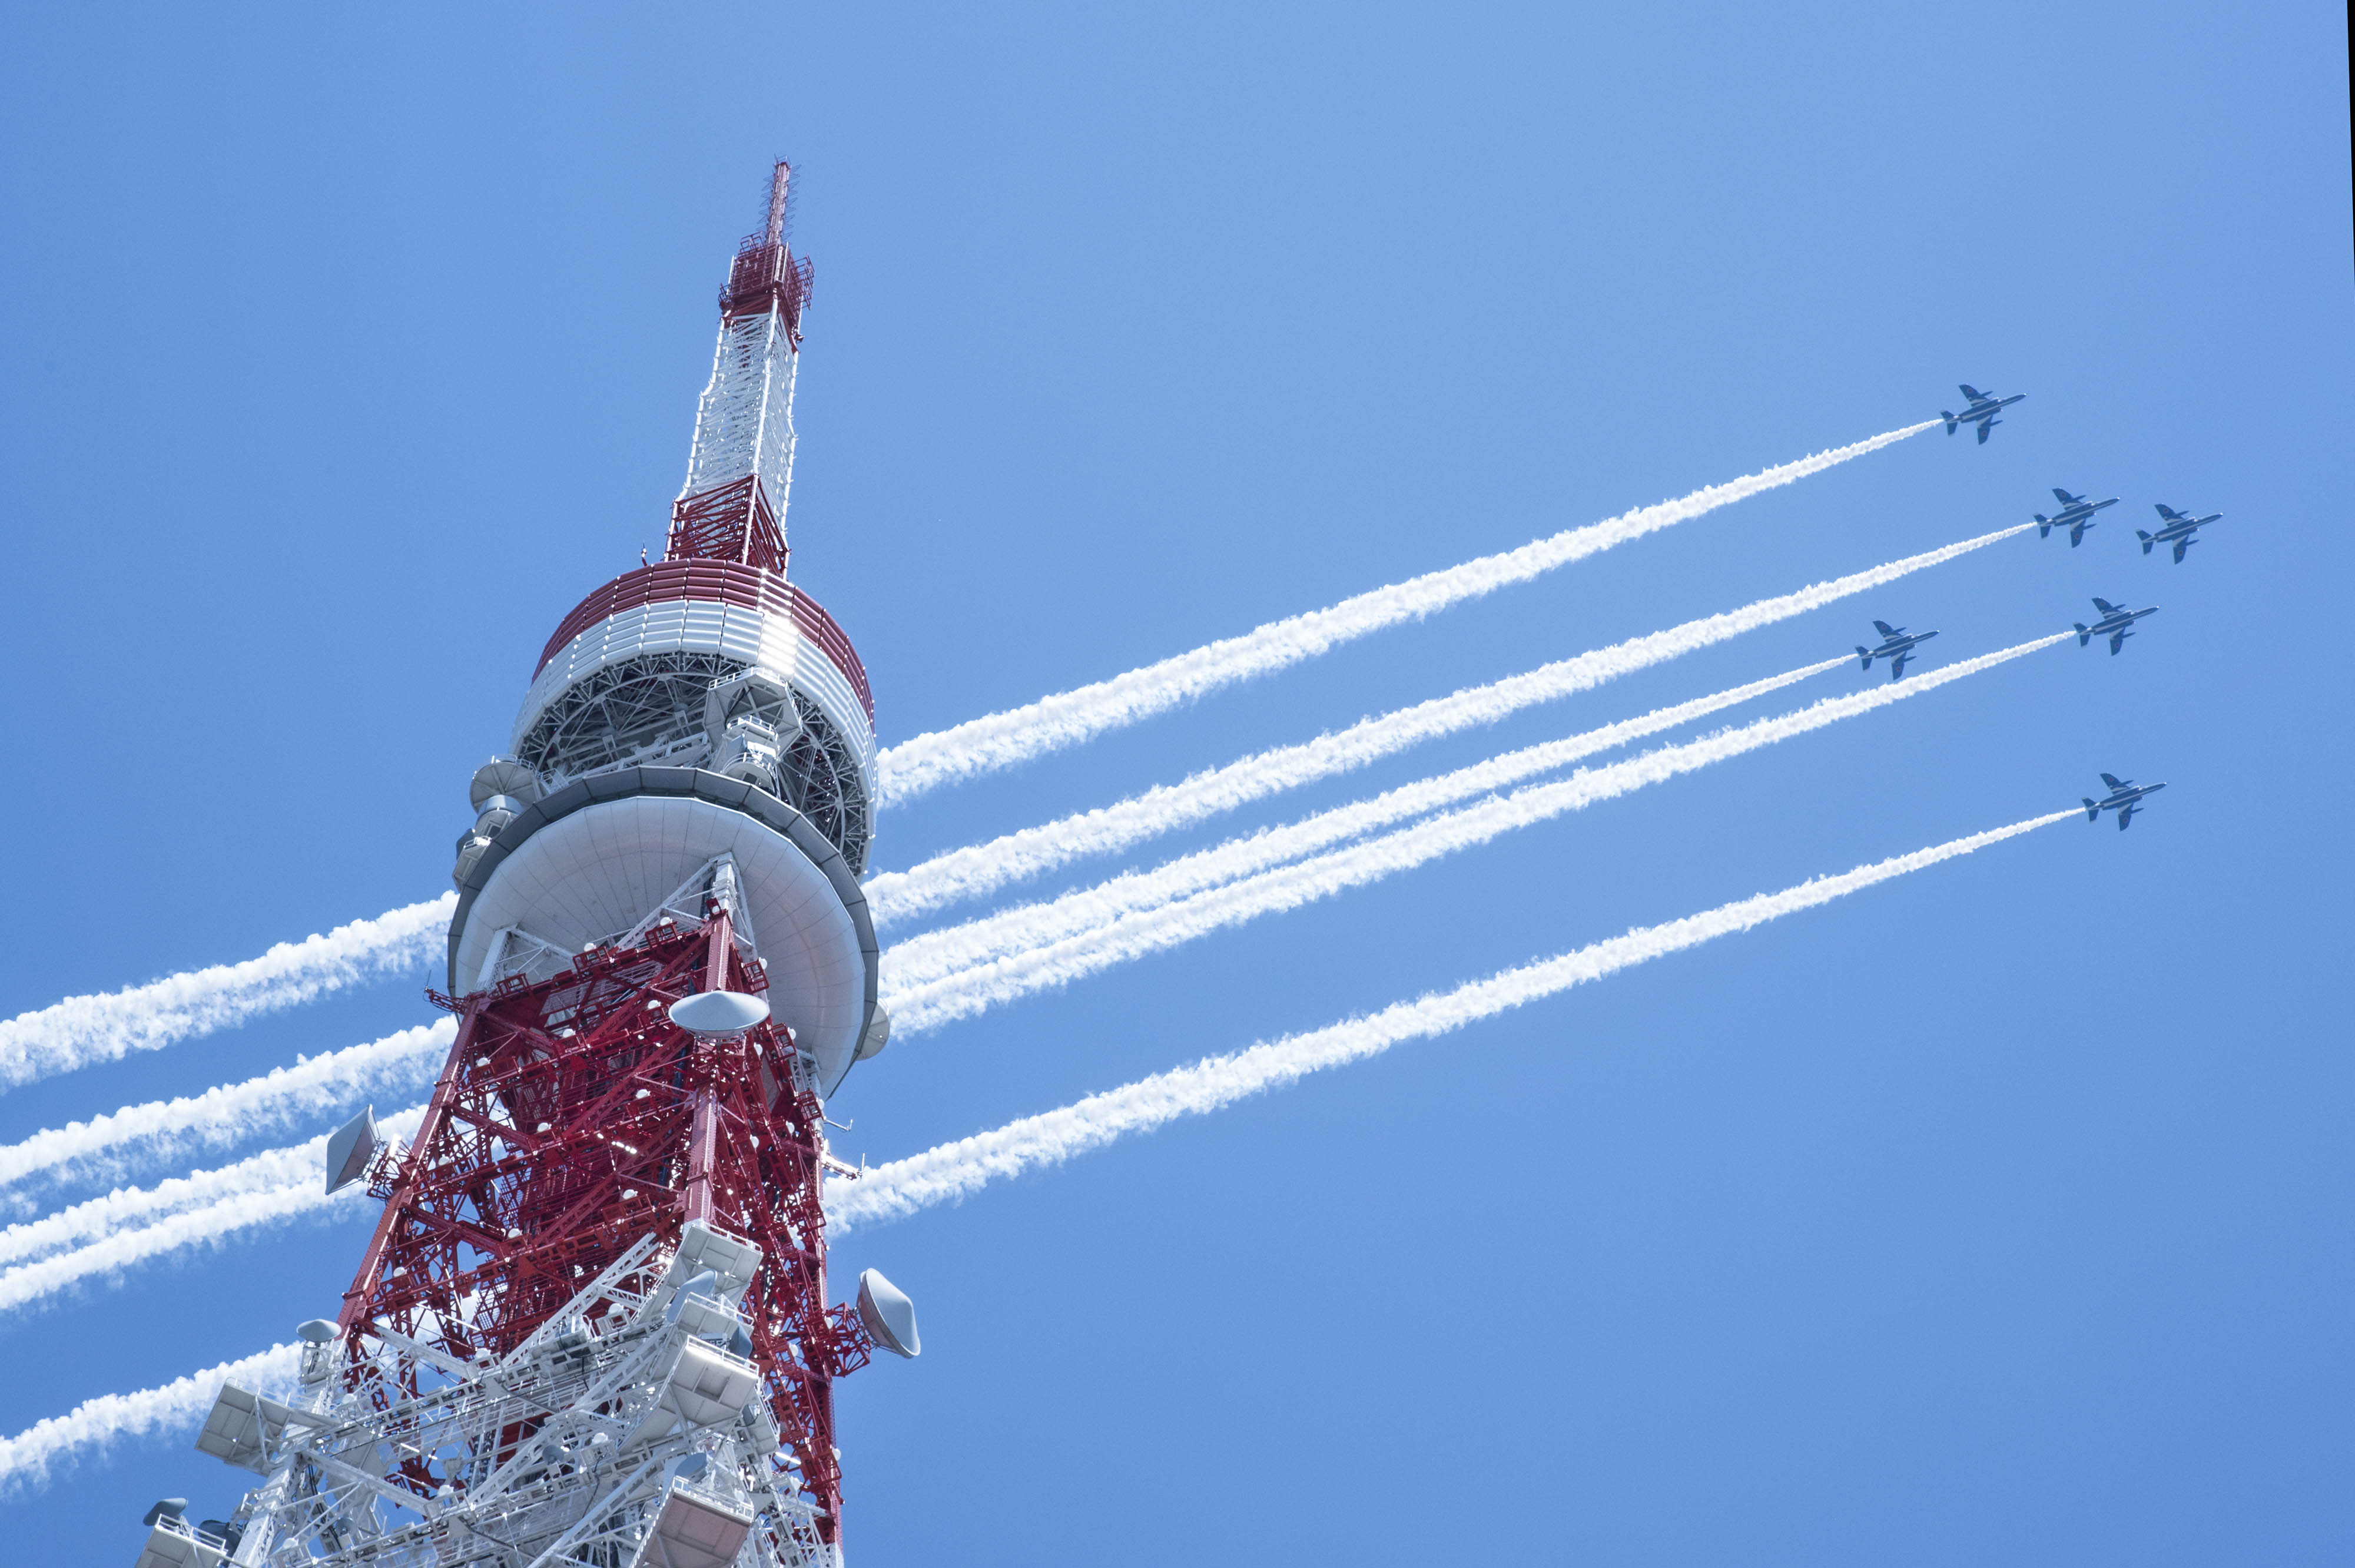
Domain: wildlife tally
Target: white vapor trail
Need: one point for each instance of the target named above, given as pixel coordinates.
(950, 1171)
(303, 1164)
(937, 954)
(1000, 740)
(232, 1111)
(96, 1425)
(81, 1030)
(236, 1207)
(1133, 936)
(981, 868)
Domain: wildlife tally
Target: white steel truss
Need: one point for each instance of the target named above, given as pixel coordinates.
(631, 1430)
(745, 422)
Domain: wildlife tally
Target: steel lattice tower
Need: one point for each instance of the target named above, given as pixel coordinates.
(591, 1326)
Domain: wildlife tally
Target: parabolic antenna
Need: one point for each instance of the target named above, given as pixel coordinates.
(888, 1314)
(718, 1012)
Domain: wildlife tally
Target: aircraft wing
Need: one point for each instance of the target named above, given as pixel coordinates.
(2113, 781)
(1897, 665)
(1884, 628)
(2169, 513)
(2117, 639)
(1970, 391)
(2180, 546)
(2063, 496)
(1985, 426)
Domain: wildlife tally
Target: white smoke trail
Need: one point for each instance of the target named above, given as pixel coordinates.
(949, 1171)
(1135, 936)
(81, 1030)
(230, 1112)
(982, 868)
(1001, 740)
(936, 954)
(297, 1165)
(95, 1425)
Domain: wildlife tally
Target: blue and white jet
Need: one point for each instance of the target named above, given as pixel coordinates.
(2076, 515)
(2125, 798)
(1983, 406)
(2114, 625)
(2176, 529)
(1896, 646)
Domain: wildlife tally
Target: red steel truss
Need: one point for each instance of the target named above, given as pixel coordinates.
(727, 522)
(572, 1118)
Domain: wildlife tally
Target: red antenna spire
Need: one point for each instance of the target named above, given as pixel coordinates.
(742, 468)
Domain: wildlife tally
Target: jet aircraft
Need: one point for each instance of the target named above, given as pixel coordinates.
(2173, 526)
(2114, 624)
(2125, 798)
(2076, 515)
(1896, 646)
(1983, 406)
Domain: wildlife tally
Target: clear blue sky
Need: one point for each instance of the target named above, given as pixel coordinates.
(2001, 1214)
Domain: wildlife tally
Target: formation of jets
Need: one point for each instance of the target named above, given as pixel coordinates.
(2076, 515)
(1896, 646)
(2116, 624)
(2125, 798)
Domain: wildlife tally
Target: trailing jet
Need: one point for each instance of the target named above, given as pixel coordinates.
(2175, 527)
(1982, 412)
(2124, 798)
(2076, 515)
(1896, 646)
(2114, 624)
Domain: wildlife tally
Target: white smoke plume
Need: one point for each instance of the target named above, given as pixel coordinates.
(950, 1171)
(128, 1207)
(230, 1112)
(981, 868)
(1133, 936)
(1000, 740)
(936, 954)
(27, 1459)
(81, 1030)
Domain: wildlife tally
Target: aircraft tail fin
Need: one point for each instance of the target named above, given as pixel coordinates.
(1867, 653)
(1948, 416)
(2092, 808)
(2085, 637)
(2146, 540)
(2043, 528)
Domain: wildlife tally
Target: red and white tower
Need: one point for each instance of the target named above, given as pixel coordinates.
(591, 1326)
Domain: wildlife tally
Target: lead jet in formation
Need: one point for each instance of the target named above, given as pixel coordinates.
(2124, 798)
(2176, 529)
(2114, 624)
(1896, 646)
(1983, 406)
(2076, 515)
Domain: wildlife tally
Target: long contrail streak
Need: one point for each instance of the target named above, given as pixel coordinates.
(96, 1425)
(938, 954)
(232, 1111)
(1287, 887)
(126, 1208)
(81, 1030)
(953, 1170)
(981, 868)
(1000, 740)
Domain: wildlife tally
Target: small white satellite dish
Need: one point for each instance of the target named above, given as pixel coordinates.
(889, 1316)
(718, 1012)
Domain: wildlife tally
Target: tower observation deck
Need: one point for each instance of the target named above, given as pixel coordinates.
(590, 1327)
